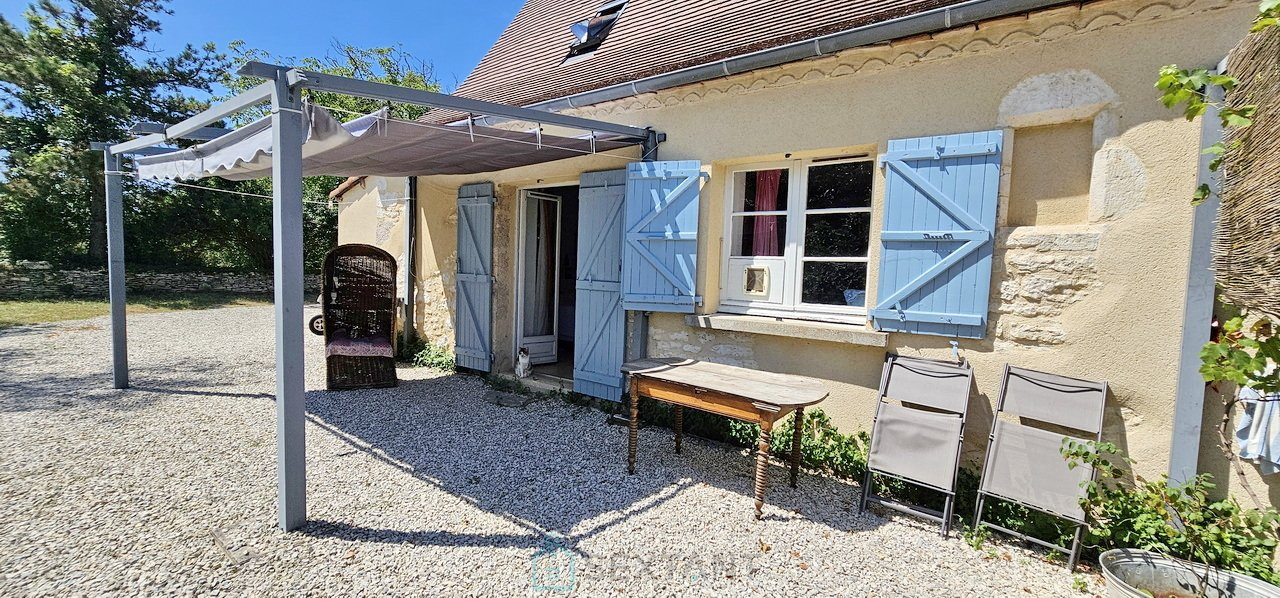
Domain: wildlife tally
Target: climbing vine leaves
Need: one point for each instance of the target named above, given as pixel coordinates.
(1190, 89)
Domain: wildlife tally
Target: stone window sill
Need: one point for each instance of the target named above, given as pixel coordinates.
(852, 334)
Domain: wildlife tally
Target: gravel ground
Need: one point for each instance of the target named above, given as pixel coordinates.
(169, 488)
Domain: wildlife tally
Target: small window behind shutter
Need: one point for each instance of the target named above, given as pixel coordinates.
(936, 242)
(660, 242)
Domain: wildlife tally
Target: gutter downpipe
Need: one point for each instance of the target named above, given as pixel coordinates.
(930, 21)
(638, 344)
(1197, 318)
(408, 332)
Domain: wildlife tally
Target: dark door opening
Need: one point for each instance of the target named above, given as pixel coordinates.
(549, 257)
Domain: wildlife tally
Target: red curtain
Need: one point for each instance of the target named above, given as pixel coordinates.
(765, 240)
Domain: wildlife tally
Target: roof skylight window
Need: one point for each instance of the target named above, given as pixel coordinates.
(589, 33)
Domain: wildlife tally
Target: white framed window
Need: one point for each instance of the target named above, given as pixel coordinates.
(796, 238)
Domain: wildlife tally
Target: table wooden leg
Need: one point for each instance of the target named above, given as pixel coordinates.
(795, 444)
(679, 427)
(633, 431)
(762, 465)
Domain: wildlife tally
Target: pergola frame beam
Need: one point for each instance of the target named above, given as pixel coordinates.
(419, 97)
(255, 95)
(102, 146)
(201, 134)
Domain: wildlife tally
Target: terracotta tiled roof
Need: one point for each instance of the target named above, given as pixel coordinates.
(345, 186)
(653, 37)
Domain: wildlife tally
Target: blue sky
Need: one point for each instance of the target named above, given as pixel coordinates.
(452, 35)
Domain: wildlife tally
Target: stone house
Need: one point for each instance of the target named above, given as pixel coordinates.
(993, 180)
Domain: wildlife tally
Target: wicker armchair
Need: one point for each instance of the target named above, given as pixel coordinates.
(359, 317)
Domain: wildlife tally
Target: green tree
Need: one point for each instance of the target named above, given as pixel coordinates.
(247, 220)
(81, 71)
(390, 64)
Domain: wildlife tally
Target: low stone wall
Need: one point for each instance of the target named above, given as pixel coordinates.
(39, 283)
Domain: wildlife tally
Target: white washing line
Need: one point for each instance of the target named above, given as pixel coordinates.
(228, 191)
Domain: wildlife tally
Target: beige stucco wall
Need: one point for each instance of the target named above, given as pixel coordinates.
(373, 213)
(1051, 183)
(1096, 294)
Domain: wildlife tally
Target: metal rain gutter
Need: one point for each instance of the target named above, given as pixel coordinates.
(929, 21)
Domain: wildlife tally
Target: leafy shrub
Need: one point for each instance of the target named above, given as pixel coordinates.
(406, 351)
(1244, 355)
(696, 423)
(436, 357)
(975, 536)
(822, 445)
(1180, 521)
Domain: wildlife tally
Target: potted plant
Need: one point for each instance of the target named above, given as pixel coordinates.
(1170, 541)
(1133, 573)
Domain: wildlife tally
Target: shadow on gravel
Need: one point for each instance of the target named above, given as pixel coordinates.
(354, 533)
(206, 393)
(21, 333)
(48, 392)
(548, 470)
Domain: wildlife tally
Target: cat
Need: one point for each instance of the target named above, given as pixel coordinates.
(523, 368)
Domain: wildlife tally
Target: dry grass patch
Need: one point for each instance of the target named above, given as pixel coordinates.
(21, 313)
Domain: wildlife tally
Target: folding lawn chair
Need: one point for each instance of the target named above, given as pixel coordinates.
(917, 432)
(1024, 461)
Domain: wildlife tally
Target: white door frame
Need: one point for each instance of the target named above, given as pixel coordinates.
(522, 231)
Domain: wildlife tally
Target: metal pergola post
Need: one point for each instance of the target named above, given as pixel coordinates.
(286, 215)
(115, 269)
(283, 90)
(287, 136)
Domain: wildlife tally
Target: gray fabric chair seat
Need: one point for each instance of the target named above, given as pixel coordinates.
(1026, 465)
(1024, 460)
(917, 445)
(918, 430)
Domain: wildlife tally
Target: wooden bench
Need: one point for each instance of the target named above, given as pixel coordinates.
(758, 397)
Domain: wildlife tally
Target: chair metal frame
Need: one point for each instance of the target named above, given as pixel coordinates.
(944, 516)
(1080, 525)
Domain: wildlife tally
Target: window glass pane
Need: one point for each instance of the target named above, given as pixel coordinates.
(760, 190)
(540, 266)
(843, 185)
(759, 235)
(834, 283)
(837, 235)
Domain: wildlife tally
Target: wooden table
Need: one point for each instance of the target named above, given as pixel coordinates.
(758, 397)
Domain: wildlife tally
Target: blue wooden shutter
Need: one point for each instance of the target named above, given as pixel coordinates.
(473, 326)
(936, 242)
(660, 255)
(598, 324)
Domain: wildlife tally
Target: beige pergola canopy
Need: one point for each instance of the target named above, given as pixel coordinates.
(372, 145)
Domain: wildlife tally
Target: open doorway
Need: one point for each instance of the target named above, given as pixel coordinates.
(547, 264)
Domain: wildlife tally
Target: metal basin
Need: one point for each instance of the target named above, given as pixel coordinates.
(1128, 572)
